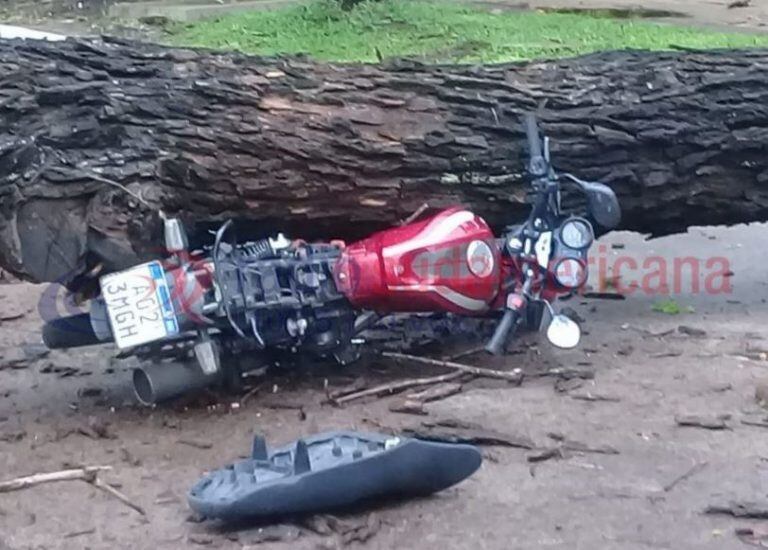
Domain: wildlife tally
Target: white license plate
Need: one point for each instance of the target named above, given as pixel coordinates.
(139, 305)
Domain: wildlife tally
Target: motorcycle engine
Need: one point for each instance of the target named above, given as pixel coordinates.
(283, 294)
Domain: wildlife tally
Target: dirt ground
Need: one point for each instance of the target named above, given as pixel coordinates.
(69, 409)
(76, 408)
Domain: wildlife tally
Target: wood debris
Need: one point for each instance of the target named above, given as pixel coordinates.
(89, 474)
(740, 509)
(546, 454)
(707, 422)
(693, 470)
(665, 354)
(514, 376)
(395, 387)
(589, 396)
(565, 385)
(434, 393)
(414, 403)
(408, 406)
(450, 430)
(579, 447)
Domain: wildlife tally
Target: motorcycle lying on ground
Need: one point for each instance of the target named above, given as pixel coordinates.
(235, 299)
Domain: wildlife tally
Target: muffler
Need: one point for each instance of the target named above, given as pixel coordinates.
(157, 382)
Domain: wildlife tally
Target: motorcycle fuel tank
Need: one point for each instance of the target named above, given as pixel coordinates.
(447, 262)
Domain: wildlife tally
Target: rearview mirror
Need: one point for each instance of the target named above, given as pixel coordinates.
(603, 204)
(563, 332)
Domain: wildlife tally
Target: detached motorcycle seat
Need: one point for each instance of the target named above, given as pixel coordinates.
(328, 471)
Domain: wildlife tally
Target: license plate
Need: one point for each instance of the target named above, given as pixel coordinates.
(139, 305)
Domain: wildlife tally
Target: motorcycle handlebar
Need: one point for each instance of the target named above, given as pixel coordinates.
(498, 341)
(532, 132)
(537, 164)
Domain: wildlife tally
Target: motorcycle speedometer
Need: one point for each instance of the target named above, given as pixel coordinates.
(570, 273)
(576, 233)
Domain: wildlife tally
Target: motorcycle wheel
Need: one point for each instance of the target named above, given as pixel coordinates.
(69, 332)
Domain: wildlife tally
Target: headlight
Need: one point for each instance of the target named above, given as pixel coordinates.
(576, 233)
(570, 273)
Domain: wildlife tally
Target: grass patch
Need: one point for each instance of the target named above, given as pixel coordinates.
(439, 32)
(671, 307)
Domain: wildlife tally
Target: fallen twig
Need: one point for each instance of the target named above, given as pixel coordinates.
(546, 454)
(396, 386)
(514, 376)
(752, 510)
(414, 403)
(89, 474)
(434, 393)
(665, 354)
(414, 216)
(357, 385)
(117, 494)
(701, 421)
(74, 534)
(589, 396)
(84, 474)
(408, 407)
(688, 473)
(466, 352)
(578, 447)
(567, 373)
(450, 430)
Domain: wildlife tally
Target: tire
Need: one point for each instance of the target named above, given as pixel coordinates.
(70, 332)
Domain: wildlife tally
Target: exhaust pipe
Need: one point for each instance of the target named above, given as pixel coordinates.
(157, 382)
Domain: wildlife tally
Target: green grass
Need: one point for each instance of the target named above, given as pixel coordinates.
(671, 307)
(439, 32)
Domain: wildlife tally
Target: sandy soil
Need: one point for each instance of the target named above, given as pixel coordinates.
(71, 409)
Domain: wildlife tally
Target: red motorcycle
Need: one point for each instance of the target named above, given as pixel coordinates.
(242, 298)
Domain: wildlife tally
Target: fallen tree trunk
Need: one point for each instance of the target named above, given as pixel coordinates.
(340, 150)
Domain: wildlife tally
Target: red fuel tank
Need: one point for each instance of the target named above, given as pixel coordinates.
(447, 262)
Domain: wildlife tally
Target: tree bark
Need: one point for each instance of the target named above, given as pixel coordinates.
(319, 150)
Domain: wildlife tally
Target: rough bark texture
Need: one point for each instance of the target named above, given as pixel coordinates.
(340, 150)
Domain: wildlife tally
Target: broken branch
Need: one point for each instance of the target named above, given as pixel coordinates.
(117, 494)
(89, 474)
(514, 376)
(396, 386)
(84, 474)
